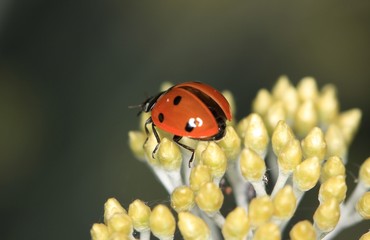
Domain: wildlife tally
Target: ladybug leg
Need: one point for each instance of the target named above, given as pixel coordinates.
(156, 137)
(176, 139)
(150, 121)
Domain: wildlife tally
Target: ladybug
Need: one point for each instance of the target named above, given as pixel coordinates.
(191, 109)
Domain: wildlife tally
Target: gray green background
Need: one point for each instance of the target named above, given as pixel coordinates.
(70, 69)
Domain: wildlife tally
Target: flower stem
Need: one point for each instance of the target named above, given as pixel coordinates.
(145, 235)
(239, 186)
(280, 182)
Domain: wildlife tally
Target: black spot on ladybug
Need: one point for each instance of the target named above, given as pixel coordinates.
(161, 117)
(177, 100)
(189, 127)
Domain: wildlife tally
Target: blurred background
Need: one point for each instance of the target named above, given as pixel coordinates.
(70, 69)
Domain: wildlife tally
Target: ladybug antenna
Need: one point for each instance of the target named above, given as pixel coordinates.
(148, 104)
(136, 106)
(144, 107)
(141, 106)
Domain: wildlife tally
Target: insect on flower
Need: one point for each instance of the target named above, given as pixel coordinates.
(191, 109)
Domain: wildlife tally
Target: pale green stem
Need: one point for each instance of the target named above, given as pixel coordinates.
(280, 182)
(210, 223)
(349, 216)
(218, 218)
(145, 235)
(167, 238)
(163, 178)
(259, 187)
(299, 195)
(175, 177)
(185, 170)
(344, 223)
(272, 163)
(319, 234)
(239, 186)
(349, 205)
(217, 180)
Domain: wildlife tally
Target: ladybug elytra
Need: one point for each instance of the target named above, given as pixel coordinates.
(191, 109)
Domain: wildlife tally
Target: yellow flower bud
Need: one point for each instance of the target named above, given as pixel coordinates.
(120, 222)
(331, 168)
(139, 213)
(281, 136)
(303, 230)
(365, 172)
(193, 227)
(328, 105)
(290, 156)
(230, 143)
(284, 203)
(280, 87)
(291, 103)
(348, 122)
(305, 118)
(334, 187)
(242, 126)
(199, 175)
(307, 174)
(99, 231)
(262, 102)
(256, 135)
(136, 142)
(182, 199)
(307, 89)
(200, 147)
(314, 145)
(215, 159)
(169, 155)
(268, 231)
(261, 210)
(275, 113)
(365, 236)
(236, 224)
(209, 198)
(165, 86)
(363, 206)
(119, 236)
(327, 215)
(336, 144)
(112, 207)
(252, 166)
(230, 99)
(162, 223)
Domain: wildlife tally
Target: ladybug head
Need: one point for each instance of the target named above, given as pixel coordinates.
(144, 107)
(149, 103)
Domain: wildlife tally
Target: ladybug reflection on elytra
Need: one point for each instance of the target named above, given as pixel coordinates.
(191, 109)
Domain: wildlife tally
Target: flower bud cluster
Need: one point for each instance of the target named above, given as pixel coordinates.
(295, 134)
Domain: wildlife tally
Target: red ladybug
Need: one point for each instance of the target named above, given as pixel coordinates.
(191, 109)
